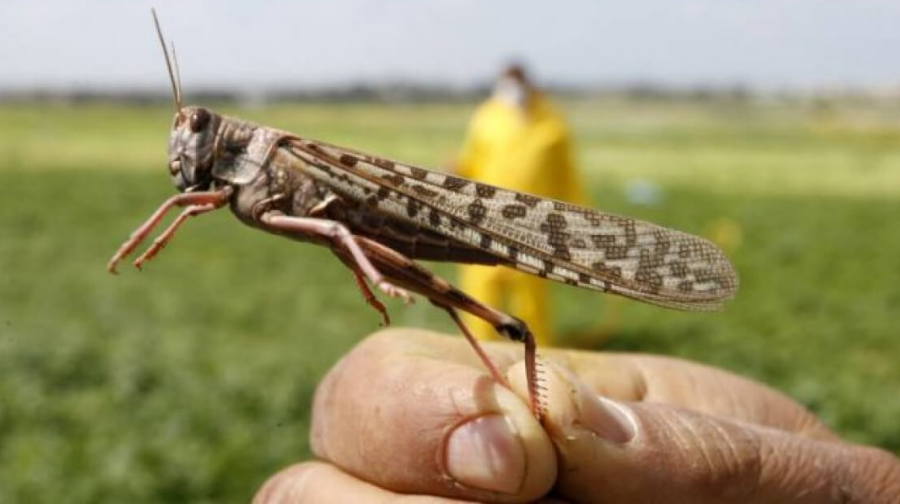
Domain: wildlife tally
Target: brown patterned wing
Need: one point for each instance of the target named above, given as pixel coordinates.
(551, 239)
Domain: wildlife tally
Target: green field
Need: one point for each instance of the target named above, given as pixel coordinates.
(191, 381)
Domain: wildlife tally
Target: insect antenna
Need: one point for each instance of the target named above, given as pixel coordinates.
(177, 76)
(176, 93)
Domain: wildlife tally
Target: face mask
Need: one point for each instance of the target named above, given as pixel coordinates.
(512, 92)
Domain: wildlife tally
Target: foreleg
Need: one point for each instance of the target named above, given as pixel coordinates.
(162, 240)
(215, 198)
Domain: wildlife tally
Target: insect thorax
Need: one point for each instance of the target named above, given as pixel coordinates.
(281, 186)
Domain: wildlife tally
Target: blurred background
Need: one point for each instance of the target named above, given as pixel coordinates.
(771, 127)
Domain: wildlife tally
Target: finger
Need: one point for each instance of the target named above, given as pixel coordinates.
(416, 412)
(685, 384)
(322, 483)
(613, 451)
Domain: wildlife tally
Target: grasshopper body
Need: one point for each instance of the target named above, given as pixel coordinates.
(377, 215)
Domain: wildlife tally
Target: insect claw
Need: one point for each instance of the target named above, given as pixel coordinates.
(379, 307)
(139, 262)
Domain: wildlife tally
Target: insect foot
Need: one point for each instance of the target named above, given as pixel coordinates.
(395, 292)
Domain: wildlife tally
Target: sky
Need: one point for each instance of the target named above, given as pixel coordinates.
(314, 43)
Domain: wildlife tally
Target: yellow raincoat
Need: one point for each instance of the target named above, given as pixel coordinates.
(526, 152)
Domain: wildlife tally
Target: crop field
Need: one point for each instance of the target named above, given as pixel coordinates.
(192, 380)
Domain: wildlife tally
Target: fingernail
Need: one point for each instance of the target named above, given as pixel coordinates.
(486, 453)
(611, 420)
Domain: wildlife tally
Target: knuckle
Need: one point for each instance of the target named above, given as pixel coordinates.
(877, 476)
(719, 457)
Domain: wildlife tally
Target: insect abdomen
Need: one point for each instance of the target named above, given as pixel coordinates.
(410, 239)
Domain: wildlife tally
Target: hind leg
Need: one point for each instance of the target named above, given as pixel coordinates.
(406, 273)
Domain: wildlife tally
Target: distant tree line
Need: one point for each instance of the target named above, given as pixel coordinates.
(422, 93)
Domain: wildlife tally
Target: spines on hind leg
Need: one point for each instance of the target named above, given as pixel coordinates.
(516, 330)
(540, 390)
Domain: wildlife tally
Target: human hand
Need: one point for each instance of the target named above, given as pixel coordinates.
(408, 415)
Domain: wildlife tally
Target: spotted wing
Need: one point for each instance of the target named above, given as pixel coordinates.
(551, 239)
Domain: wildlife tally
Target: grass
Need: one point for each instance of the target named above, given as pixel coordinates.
(191, 382)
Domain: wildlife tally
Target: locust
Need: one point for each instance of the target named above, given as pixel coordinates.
(378, 216)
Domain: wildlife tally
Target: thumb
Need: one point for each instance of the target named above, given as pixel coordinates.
(634, 452)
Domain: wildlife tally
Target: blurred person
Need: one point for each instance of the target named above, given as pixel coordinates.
(409, 415)
(517, 140)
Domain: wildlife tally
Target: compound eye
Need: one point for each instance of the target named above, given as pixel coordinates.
(199, 120)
